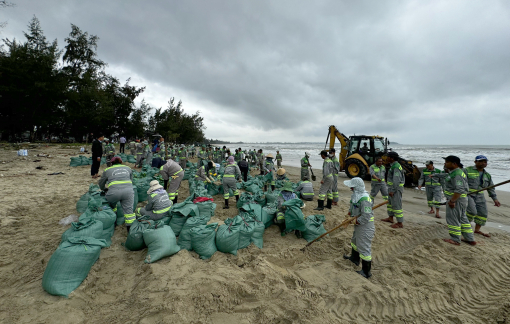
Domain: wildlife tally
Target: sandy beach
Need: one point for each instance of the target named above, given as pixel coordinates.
(417, 278)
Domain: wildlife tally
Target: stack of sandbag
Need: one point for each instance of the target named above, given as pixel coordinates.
(105, 215)
(259, 213)
(130, 159)
(75, 162)
(185, 234)
(238, 233)
(206, 206)
(244, 199)
(314, 227)
(83, 202)
(134, 240)
(70, 264)
(85, 227)
(179, 214)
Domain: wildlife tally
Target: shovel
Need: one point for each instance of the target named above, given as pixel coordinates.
(314, 178)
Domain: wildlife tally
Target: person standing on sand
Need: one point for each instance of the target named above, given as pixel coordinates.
(139, 154)
(455, 190)
(305, 164)
(396, 181)
(97, 153)
(278, 159)
(261, 159)
(478, 178)
(433, 186)
(336, 171)
(364, 228)
(118, 180)
(232, 172)
(109, 151)
(269, 169)
(326, 183)
(132, 148)
(378, 174)
(122, 142)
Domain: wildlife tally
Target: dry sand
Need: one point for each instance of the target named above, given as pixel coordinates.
(417, 278)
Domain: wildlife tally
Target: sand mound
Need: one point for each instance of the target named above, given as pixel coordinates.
(416, 276)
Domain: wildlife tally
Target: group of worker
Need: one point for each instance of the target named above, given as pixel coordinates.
(456, 183)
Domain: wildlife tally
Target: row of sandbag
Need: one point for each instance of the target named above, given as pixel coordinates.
(79, 249)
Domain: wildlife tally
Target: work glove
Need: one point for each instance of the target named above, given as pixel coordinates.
(206, 179)
(174, 177)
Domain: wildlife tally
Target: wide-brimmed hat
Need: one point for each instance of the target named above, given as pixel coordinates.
(154, 185)
(281, 171)
(270, 156)
(287, 186)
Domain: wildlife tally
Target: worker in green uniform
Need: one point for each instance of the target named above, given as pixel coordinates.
(433, 186)
(478, 178)
(378, 175)
(396, 180)
(336, 171)
(456, 189)
(305, 164)
(278, 159)
(326, 183)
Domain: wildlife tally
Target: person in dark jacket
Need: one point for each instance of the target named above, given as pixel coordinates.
(97, 153)
(245, 168)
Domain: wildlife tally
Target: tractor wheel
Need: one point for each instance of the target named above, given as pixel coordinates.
(355, 168)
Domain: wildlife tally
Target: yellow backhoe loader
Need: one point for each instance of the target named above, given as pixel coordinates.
(358, 152)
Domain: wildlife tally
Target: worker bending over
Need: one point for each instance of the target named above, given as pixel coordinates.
(230, 175)
(172, 170)
(118, 180)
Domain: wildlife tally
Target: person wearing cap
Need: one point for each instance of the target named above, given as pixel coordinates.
(305, 164)
(364, 228)
(97, 153)
(281, 175)
(269, 169)
(326, 183)
(285, 194)
(158, 202)
(278, 159)
(183, 157)
(336, 171)
(305, 189)
(455, 189)
(132, 148)
(230, 175)
(173, 170)
(139, 154)
(433, 186)
(478, 178)
(109, 151)
(261, 158)
(396, 180)
(378, 174)
(118, 180)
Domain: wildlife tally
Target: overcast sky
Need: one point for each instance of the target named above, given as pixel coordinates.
(418, 72)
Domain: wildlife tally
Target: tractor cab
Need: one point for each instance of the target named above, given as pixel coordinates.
(369, 147)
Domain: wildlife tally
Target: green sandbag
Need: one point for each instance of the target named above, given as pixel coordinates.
(142, 186)
(85, 160)
(86, 227)
(166, 220)
(260, 198)
(244, 199)
(134, 241)
(239, 185)
(227, 239)
(107, 235)
(131, 159)
(213, 189)
(271, 196)
(94, 191)
(101, 213)
(185, 236)
(252, 188)
(206, 208)
(267, 178)
(70, 264)
(314, 227)
(257, 237)
(75, 162)
(185, 208)
(161, 243)
(177, 222)
(203, 240)
(245, 231)
(294, 218)
(268, 214)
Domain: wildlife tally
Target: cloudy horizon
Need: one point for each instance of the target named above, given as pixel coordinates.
(283, 71)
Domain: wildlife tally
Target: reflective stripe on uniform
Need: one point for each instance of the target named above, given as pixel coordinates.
(118, 182)
(116, 166)
(162, 210)
(129, 218)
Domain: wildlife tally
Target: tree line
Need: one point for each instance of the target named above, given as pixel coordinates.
(49, 92)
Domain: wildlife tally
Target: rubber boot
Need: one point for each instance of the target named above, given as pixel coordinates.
(365, 269)
(330, 201)
(175, 199)
(265, 188)
(354, 258)
(226, 204)
(298, 234)
(128, 227)
(282, 228)
(237, 198)
(165, 184)
(321, 205)
(272, 188)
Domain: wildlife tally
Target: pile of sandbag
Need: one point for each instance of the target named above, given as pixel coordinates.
(238, 233)
(83, 160)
